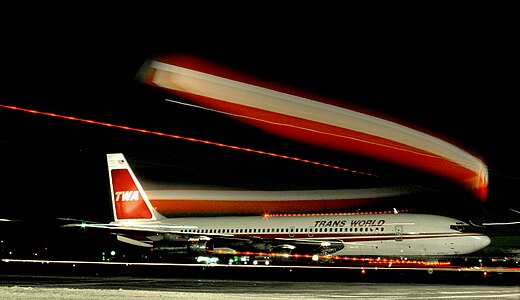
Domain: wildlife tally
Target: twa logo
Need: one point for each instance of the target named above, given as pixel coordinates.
(127, 196)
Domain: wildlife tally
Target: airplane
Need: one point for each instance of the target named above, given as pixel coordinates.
(138, 223)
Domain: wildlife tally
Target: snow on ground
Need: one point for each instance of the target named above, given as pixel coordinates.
(25, 293)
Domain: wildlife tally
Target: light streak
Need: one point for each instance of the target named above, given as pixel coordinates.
(315, 122)
(274, 266)
(381, 261)
(343, 136)
(365, 260)
(174, 136)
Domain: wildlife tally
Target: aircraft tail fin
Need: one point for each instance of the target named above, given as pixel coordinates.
(129, 201)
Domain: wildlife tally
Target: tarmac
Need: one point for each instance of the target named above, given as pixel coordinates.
(77, 280)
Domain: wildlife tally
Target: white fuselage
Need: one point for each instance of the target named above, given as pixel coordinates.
(366, 234)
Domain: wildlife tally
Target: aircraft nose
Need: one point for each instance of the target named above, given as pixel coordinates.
(481, 242)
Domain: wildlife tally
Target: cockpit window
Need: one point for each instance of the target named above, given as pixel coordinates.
(460, 226)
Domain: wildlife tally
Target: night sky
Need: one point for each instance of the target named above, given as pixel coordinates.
(452, 73)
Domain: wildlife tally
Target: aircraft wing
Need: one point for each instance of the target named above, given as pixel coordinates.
(147, 229)
(147, 234)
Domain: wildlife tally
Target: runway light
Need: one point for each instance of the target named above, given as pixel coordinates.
(207, 260)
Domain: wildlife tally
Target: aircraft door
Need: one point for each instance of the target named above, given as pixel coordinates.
(398, 233)
(291, 231)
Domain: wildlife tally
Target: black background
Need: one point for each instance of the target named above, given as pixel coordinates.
(450, 71)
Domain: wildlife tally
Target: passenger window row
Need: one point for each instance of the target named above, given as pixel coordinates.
(287, 230)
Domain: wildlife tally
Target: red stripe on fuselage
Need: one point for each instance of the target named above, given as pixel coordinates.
(232, 207)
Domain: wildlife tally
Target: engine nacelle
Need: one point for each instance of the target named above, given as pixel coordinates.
(283, 252)
(283, 249)
(262, 246)
(327, 248)
(200, 247)
(195, 247)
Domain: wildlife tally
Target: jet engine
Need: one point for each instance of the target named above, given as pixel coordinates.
(329, 247)
(200, 247)
(192, 246)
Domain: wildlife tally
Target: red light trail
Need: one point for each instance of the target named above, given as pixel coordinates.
(315, 122)
(174, 136)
